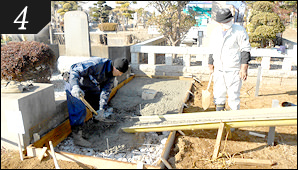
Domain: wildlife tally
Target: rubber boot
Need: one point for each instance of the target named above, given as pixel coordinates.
(78, 138)
(220, 107)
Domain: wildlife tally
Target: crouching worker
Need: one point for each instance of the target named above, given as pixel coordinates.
(93, 79)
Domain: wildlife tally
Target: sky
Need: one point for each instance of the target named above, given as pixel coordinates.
(140, 4)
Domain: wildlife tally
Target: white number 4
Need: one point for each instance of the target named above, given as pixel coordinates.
(23, 22)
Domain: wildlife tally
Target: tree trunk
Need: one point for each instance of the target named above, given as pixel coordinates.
(178, 23)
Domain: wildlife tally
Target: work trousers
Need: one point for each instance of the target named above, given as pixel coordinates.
(227, 83)
(76, 108)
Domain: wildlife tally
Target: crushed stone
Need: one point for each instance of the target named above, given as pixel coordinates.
(109, 141)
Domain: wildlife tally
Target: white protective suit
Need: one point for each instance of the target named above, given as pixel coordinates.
(227, 60)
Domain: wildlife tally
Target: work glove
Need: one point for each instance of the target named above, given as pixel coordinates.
(104, 113)
(77, 92)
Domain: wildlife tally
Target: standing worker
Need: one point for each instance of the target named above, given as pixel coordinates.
(229, 61)
(93, 79)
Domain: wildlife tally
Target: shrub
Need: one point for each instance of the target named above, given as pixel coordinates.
(27, 60)
(255, 44)
(108, 26)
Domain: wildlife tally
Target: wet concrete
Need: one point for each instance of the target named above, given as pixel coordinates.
(110, 141)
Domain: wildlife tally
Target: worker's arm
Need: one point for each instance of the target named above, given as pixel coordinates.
(105, 93)
(243, 71)
(210, 63)
(245, 54)
(245, 58)
(79, 70)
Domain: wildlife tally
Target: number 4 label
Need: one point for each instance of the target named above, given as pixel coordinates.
(23, 22)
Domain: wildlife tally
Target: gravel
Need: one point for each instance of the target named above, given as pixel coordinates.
(109, 140)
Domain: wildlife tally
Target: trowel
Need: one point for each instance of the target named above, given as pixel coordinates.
(206, 95)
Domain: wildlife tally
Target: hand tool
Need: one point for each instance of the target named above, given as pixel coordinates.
(93, 111)
(206, 95)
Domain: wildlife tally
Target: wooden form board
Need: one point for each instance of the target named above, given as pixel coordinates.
(210, 120)
(59, 133)
(114, 90)
(100, 163)
(171, 138)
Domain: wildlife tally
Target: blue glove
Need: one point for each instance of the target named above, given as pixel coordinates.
(77, 92)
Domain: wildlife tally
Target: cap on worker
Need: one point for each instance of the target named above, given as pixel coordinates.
(121, 64)
(223, 15)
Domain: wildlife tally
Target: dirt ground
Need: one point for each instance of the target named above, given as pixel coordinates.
(195, 149)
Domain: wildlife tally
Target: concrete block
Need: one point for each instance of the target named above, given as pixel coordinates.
(148, 94)
(37, 108)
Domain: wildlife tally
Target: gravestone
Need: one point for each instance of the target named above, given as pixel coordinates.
(77, 40)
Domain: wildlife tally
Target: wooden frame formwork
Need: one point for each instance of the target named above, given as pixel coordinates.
(61, 132)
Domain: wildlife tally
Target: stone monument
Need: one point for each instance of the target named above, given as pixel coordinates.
(77, 40)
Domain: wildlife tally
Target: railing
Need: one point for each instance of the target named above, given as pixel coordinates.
(194, 59)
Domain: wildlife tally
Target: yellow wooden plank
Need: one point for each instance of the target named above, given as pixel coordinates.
(291, 112)
(289, 122)
(56, 135)
(115, 89)
(253, 161)
(218, 140)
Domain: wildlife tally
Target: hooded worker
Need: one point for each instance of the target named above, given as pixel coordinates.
(93, 79)
(229, 61)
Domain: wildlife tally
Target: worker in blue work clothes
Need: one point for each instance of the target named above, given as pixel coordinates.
(93, 79)
(229, 61)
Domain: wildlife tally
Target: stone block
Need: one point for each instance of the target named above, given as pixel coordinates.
(37, 108)
(77, 40)
(148, 94)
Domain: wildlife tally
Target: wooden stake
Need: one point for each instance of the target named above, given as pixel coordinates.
(271, 133)
(20, 147)
(53, 155)
(43, 151)
(166, 163)
(140, 165)
(218, 140)
(253, 161)
(108, 145)
(181, 132)
(258, 81)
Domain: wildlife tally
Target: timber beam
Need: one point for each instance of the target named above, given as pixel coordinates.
(284, 116)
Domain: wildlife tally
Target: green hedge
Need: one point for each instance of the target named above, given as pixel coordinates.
(108, 26)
